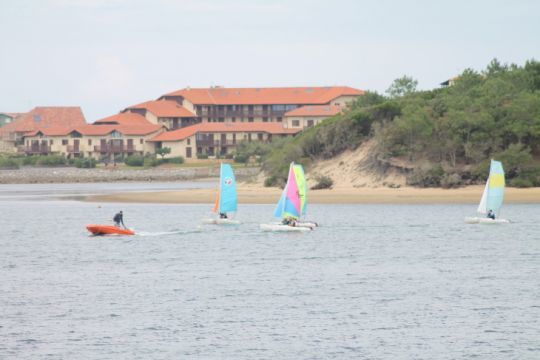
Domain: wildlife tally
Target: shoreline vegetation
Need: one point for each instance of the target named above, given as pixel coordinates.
(254, 194)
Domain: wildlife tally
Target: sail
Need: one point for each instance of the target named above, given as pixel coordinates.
(493, 196)
(496, 187)
(482, 207)
(228, 197)
(289, 204)
(302, 186)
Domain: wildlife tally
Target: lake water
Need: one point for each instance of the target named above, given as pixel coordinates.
(374, 282)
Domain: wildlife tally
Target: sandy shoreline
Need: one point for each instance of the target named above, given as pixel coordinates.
(250, 194)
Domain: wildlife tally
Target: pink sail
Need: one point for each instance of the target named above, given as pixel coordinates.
(292, 191)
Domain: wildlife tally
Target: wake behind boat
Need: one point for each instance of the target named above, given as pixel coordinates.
(492, 198)
(227, 198)
(108, 230)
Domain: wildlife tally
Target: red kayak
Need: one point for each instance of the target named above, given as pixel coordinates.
(108, 230)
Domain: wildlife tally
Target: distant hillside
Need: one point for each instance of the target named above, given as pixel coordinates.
(443, 137)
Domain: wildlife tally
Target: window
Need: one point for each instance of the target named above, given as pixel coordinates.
(296, 123)
(260, 136)
(64, 142)
(89, 142)
(141, 141)
(116, 134)
(278, 107)
(310, 123)
(50, 142)
(188, 141)
(250, 119)
(279, 119)
(221, 119)
(265, 119)
(233, 119)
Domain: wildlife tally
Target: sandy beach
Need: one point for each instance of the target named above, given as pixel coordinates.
(251, 194)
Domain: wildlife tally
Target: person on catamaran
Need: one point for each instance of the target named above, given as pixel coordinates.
(222, 215)
(491, 214)
(289, 221)
(119, 219)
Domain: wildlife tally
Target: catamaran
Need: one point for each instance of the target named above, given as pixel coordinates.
(292, 203)
(492, 198)
(227, 197)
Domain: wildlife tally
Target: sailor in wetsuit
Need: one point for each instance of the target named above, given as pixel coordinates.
(119, 219)
(491, 214)
(222, 215)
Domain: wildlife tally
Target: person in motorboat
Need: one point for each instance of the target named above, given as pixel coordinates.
(223, 215)
(491, 214)
(119, 219)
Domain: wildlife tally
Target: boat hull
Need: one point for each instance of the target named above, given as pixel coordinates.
(220, 222)
(481, 220)
(108, 230)
(283, 228)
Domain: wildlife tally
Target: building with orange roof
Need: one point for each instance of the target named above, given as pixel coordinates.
(310, 115)
(217, 138)
(11, 135)
(98, 140)
(169, 113)
(220, 104)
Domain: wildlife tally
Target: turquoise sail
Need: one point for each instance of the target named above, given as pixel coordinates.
(281, 204)
(228, 200)
(495, 196)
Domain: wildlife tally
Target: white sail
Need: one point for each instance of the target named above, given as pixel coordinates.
(482, 207)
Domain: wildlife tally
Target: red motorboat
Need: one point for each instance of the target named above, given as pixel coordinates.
(108, 230)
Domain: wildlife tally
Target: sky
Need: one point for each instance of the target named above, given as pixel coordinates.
(105, 55)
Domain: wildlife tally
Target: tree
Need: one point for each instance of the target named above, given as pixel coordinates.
(163, 151)
(402, 86)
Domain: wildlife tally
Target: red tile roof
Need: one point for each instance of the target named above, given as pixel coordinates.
(315, 110)
(183, 133)
(164, 108)
(124, 119)
(265, 96)
(45, 116)
(96, 130)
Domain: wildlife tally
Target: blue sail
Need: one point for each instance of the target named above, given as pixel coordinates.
(228, 200)
(281, 204)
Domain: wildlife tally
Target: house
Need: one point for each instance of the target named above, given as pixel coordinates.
(93, 140)
(217, 138)
(219, 104)
(308, 116)
(12, 134)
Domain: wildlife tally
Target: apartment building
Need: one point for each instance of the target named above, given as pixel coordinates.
(12, 134)
(92, 141)
(308, 116)
(219, 104)
(217, 138)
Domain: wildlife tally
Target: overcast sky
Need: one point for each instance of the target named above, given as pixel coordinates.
(104, 55)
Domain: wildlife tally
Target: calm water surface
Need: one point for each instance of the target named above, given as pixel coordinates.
(375, 282)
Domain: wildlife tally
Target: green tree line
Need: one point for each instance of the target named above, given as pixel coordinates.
(448, 134)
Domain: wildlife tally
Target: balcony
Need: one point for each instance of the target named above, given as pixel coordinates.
(36, 149)
(71, 149)
(209, 142)
(114, 149)
(241, 114)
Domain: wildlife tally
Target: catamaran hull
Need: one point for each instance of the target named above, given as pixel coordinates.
(478, 220)
(220, 222)
(310, 224)
(283, 228)
(108, 230)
